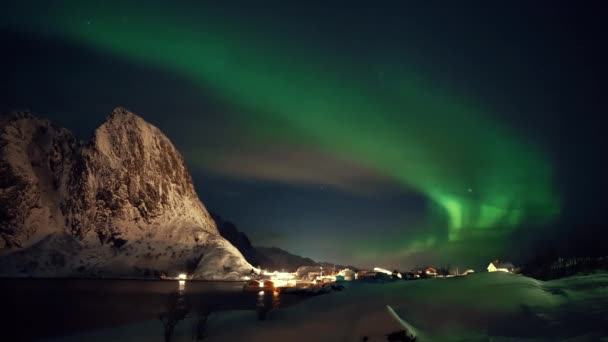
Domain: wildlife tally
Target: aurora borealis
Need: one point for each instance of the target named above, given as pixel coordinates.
(383, 117)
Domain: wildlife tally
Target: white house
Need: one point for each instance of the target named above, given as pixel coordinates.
(500, 267)
(348, 274)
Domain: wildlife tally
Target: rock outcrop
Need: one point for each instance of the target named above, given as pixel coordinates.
(122, 204)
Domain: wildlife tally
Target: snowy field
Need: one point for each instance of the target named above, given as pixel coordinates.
(480, 307)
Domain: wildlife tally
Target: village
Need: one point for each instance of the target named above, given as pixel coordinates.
(315, 280)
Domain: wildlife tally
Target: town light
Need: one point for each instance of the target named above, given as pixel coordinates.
(281, 279)
(182, 276)
(279, 282)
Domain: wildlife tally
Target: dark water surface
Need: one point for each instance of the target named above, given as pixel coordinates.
(41, 308)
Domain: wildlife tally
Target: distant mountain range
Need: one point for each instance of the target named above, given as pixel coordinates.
(120, 205)
(269, 258)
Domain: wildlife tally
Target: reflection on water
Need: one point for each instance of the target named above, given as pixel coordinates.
(267, 302)
(176, 310)
(70, 306)
(275, 300)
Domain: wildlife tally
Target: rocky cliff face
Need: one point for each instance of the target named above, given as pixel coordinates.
(130, 180)
(35, 164)
(125, 198)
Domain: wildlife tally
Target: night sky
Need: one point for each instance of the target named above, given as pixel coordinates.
(395, 135)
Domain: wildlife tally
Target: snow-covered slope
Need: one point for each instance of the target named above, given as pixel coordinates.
(122, 204)
(478, 307)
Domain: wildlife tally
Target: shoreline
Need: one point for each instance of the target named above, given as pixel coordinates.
(121, 278)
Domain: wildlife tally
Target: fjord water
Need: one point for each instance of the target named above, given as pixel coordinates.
(42, 308)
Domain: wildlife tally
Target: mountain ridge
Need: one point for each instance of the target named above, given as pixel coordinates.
(269, 258)
(126, 187)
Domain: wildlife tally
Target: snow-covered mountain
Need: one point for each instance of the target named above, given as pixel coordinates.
(122, 204)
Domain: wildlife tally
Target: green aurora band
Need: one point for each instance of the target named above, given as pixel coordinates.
(480, 176)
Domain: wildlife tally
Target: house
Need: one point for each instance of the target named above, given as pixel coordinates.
(347, 274)
(430, 272)
(425, 272)
(497, 266)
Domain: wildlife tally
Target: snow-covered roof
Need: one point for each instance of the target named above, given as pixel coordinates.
(506, 265)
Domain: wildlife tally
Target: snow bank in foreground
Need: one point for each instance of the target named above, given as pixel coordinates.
(480, 307)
